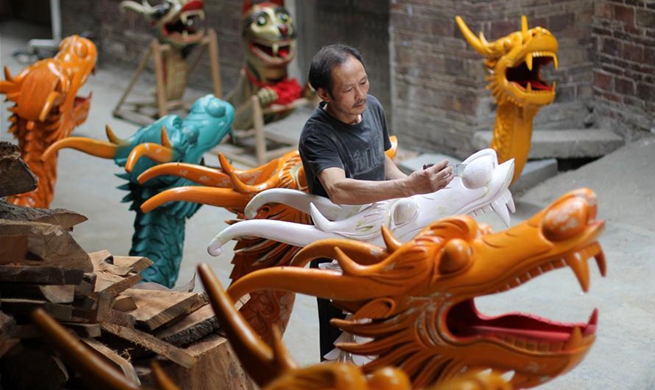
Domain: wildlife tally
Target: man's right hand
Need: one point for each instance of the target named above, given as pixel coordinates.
(431, 179)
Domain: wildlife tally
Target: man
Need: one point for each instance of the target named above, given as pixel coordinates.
(342, 148)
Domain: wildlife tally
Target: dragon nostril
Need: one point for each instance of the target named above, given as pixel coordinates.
(566, 219)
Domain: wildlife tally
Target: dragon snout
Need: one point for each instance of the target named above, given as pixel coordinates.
(570, 216)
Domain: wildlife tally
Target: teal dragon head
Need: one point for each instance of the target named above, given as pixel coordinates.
(160, 235)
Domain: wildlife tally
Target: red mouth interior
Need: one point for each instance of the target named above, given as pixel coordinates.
(523, 76)
(464, 321)
(282, 52)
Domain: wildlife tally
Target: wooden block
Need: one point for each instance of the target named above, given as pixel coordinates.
(217, 369)
(88, 285)
(55, 294)
(114, 284)
(157, 307)
(62, 217)
(24, 307)
(84, 330)
(191, 328)
(136, 263)
(124, 303)
(113, 358)
(122, 319)
(99, 311)
(15, 176)
(13, 249)
(151, 343)
(48, 245)
(43, 275)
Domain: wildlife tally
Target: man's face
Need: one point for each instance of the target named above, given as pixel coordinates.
(349, 88)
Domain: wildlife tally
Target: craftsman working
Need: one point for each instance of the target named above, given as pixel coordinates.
(342, 148)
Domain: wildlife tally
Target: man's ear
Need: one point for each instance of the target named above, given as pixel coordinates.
(324, 95)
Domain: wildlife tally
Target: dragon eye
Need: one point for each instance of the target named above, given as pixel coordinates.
(261, 21)
(284, 17)
(456, 255)
(216, 109)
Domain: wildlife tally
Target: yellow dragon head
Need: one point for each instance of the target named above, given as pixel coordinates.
(514, 64)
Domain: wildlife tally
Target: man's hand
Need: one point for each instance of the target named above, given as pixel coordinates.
(431, 179)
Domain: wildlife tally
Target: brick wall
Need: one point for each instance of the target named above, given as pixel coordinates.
(438, 86)
(123, 37)
(624, 71)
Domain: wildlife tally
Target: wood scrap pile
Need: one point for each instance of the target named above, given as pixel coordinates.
(95, 295)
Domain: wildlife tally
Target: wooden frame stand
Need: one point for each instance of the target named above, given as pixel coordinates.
(145, 112)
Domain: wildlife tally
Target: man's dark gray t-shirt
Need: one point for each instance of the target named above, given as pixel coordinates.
(358, 149)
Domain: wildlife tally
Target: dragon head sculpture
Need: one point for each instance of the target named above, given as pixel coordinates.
(272, 368)
(514, 64)
(47, 109)
(417, 300)
(269, 39)
(483, 186)
(175, 22)
(170, 138)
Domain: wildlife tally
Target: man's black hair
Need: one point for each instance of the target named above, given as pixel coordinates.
(320, 72)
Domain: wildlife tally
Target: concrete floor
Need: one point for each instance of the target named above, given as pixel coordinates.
(624, 354)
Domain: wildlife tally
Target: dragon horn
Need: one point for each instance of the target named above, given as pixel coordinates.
(136, 7)
(524, 24)
(394, 147)
(90, 146)
(113, 138)
(154, 151)
(366, 254)
(242, 187)
(8, 76)
(478, 45)
(165, 141)
(390, 240)
(199, 174)
(93, 369)
(257, 358)
(50, 101)
(219, 197)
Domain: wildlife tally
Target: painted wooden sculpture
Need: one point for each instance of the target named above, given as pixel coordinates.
(232, 189)
(47, 109)
(417, 300)
(481, 187)
(269, 45)
(175, 23)
(514, 65)
(272, 368)
(160, 235)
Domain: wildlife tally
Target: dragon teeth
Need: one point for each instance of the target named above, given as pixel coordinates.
(502, 211)
(575, 339)
(580, 268)
(528, 61)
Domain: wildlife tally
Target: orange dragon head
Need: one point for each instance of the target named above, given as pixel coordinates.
(417, 300)
(514, 64)
(46, 91)
(272, 368)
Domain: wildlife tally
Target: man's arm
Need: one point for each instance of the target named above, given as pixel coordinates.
(342, 190)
